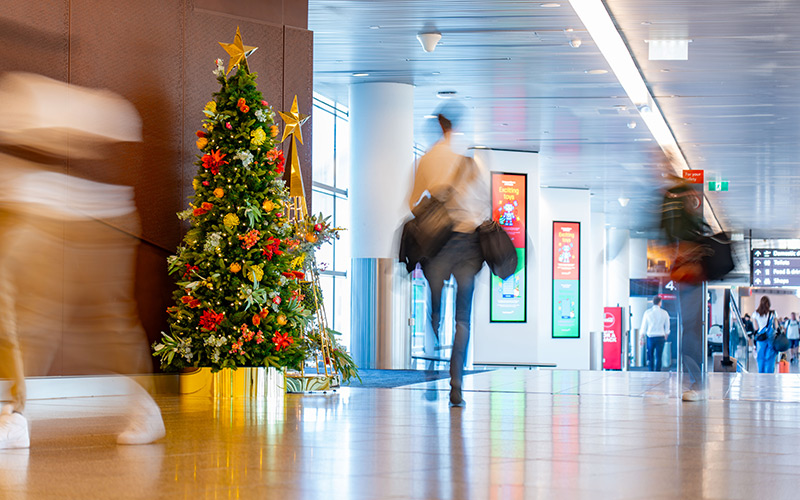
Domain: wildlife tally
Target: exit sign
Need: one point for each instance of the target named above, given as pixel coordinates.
(718, 186)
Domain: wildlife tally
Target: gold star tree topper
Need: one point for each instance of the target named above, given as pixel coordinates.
(238, 52)
(293, 120)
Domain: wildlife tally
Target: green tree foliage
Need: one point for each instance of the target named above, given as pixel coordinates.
(239, 301)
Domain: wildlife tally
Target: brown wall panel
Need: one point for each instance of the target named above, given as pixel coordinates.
(34, 37)
(278, 12)
(298, 64)
(159, 54)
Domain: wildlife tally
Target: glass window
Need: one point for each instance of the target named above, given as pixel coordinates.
(331, 179)
(322, 148)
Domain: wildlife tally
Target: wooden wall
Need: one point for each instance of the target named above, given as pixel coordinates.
(159, 55)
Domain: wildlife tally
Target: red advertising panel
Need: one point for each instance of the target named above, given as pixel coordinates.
(508, 198)
(612, 338)
(508, 298)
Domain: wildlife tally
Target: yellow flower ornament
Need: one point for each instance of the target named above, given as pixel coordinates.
(256, 273)
(258, 137)
(231, 221)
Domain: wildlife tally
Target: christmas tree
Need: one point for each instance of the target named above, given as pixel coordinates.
(239, 268)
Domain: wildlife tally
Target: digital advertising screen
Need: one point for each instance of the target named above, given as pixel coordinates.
(566, 279)
(508, 297)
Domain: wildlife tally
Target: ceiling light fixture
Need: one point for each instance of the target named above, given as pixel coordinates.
(575, 43)
(596, 71)
(623, 201)
(550, 5)
(429, 40)
(430, 117)
(360, 74)
(374, 27)
(598, 23)
(446, 94)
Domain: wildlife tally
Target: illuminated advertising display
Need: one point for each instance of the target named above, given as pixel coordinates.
(566, 279)
(508, 297)
(612, 338)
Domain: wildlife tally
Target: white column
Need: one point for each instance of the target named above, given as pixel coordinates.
(637, 266)
(618, 262)
(381, 170)
(597, 269)
(381, 165)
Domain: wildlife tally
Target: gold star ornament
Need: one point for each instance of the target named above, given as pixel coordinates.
(238, 52)
(293, 120)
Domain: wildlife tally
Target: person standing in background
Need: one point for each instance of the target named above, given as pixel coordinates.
(793, 334)
(655, 327)
(764, 323)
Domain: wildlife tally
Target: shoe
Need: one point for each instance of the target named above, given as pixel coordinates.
(455, 399)
(692, 396)
(146, 425)
(14, 433)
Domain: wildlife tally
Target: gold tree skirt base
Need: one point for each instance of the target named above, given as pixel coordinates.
(296, 382)
(259, 382)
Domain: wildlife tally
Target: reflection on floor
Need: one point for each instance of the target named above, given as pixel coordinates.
(523, 434)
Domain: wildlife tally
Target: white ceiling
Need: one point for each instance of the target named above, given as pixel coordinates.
(732, 106)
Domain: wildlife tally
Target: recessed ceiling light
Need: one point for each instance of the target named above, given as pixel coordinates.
(550, 5)
(643, 139)
(436, 73)
(360, 74)
(623, 201)
(375, 27)
(569, 30)
(596, 71)
(646, 23)
(446, 94)
(430, 117)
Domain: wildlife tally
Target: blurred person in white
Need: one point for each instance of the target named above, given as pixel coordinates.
(67, 249)
(463, 184)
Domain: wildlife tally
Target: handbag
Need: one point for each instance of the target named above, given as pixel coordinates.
(497, 249)
(766, 331)
(780, 342)
(718, 257)
(431, 226)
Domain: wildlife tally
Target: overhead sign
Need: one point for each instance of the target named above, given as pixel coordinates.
(612, 338)
(566, 279)
(507, 302)
(718, 186)
(770, 267)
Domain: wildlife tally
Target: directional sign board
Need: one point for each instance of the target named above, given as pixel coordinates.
(774, 267)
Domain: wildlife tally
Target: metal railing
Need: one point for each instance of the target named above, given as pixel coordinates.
(734, 335)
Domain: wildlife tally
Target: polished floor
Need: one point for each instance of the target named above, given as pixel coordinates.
(523, 434)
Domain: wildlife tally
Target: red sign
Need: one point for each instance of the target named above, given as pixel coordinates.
(566, 250)
(694, 176)
(612, 338)
(508, 198)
